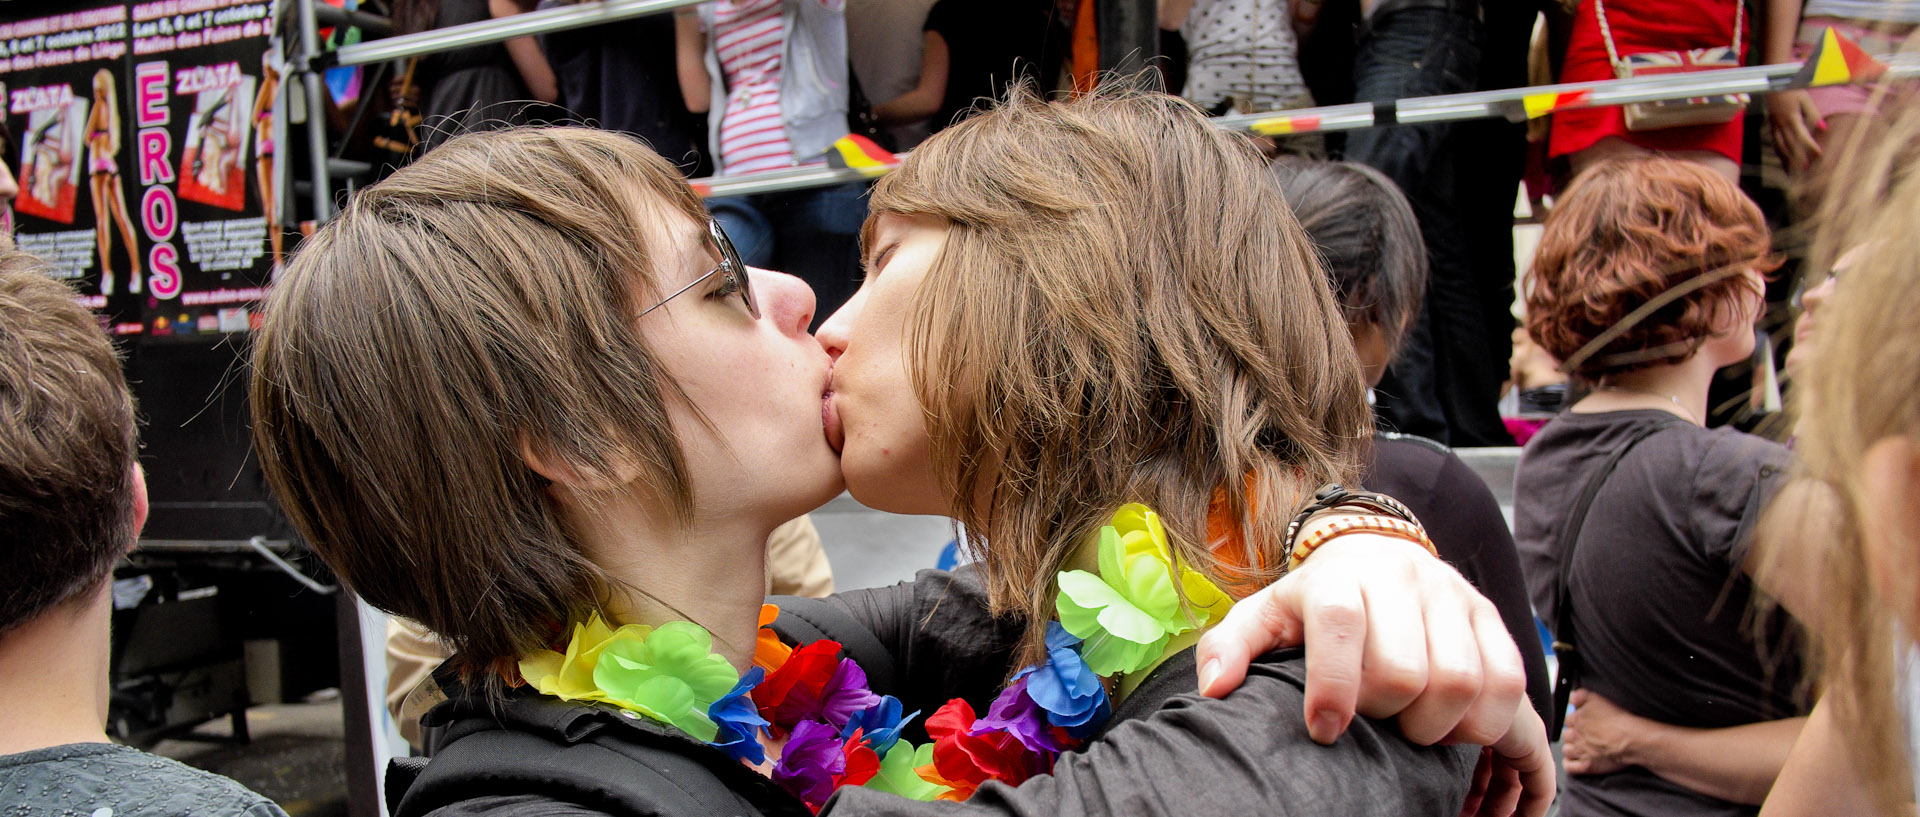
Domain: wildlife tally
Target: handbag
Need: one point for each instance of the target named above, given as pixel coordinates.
(1700, 110)
(1571, 663)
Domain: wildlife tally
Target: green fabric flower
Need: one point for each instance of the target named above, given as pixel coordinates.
(1127, 614)
(672, 675)
(898, 775)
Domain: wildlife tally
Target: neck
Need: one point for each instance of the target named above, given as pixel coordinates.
(710, 573)
(1678, 388)
(54, 670)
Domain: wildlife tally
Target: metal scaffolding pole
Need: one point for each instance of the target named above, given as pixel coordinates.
(316, 111)
(493, 31)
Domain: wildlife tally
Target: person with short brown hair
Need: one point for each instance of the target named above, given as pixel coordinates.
(523, 388)
(72, 500)
(1648, 279)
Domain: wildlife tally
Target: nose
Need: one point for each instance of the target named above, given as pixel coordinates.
(8, 186)
(1816, 297)
(838, 329)
(783, 299)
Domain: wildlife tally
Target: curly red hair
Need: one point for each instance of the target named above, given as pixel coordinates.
(1626, 231)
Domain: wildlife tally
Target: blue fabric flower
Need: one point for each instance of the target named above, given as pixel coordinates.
(881, 724)
(739, 720)
(1066, 687)
(1014, 712)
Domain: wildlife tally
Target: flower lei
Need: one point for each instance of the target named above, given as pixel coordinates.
(839, 733)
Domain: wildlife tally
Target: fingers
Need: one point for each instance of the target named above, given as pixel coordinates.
(1504, 791)
(1453, 678)
(1524, 750)
(1503, 680)
(1265, 621)
(1339, 643)
(1482, 780)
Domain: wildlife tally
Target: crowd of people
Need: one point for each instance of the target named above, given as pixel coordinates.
(1156, 370)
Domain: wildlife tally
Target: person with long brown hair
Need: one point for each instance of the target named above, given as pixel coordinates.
(556, 429)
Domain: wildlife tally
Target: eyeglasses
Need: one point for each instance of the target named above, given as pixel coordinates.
(730, 265)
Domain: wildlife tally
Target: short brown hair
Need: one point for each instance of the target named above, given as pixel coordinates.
(474, 305)
(1626, 231)
(67, 445)
(1124, 310)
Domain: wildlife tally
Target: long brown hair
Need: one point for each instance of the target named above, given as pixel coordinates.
(1860, 389)
(1124, 310)
(473, 307)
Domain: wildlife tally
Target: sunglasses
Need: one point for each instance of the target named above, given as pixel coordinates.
(730, 266)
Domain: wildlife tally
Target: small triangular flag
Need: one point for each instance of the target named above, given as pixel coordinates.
(860, 153)
(1837, 61)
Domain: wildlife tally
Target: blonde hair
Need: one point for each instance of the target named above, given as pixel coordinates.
(1859, 390)
(1124, 310)
(103, 86)
(474, 306)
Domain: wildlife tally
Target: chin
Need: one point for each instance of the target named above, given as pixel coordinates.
(895, 492)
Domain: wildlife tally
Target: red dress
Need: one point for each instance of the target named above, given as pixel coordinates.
(1640, 26)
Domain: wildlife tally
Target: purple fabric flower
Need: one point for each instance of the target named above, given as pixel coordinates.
(1015, 713)
(1066, 688)
(881, 724)
(739, 720)
(845, 693)
(812, 759)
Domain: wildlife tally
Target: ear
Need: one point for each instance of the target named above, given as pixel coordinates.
(573, 476)
(1890, 482)
(139, 486)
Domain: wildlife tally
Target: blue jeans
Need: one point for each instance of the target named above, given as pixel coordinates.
(812, 234)
(1433, 388)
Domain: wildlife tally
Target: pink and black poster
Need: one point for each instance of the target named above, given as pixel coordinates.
(144, 154)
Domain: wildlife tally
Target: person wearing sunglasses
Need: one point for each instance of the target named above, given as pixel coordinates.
(557, 427)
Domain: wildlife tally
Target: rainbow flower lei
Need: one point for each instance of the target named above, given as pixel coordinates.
(839, 733)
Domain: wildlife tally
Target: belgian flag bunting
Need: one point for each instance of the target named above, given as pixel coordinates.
(860, 153)
(1837, 61)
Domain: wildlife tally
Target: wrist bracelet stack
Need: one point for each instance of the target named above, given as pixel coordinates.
(1336, 511)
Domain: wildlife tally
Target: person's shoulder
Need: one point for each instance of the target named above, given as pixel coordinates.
(85, 778)
(1730, 447)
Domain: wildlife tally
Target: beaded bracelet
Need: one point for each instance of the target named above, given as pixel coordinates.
(1326, 531)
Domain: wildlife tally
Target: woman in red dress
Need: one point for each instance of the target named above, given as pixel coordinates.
(1639, 26)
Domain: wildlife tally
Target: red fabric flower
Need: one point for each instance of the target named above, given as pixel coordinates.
(793, 690)
(964, 760)
(862, 763)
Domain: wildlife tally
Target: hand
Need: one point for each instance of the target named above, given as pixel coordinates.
(1391, 631)
(1515, 775)
(1598, 737)
(1794, 118)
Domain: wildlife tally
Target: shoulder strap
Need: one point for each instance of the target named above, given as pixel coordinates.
(1564, 650)
(808, 620)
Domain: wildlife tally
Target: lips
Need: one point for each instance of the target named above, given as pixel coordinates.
(830, 418)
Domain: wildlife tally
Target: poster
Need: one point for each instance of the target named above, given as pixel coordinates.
(62, 75)
(201, 114)
(143, 155)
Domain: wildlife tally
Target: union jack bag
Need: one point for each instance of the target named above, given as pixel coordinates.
(1700, 110)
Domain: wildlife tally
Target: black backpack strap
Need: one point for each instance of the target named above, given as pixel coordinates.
(1564, 649)
(806, 620)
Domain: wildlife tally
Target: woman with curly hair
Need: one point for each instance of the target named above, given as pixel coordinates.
(1633, 519)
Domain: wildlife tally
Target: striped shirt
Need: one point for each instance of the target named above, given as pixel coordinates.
(749, 39)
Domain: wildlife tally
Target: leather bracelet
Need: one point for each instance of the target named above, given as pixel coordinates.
(1334, 495)
(1331, 529)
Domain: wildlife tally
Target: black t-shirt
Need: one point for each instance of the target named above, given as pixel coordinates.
(1660, 602)
(621, 76)
(991, 43)
(1464, 520)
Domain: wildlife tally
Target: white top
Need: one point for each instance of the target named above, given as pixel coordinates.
(1884, 11)
(1243, 50)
